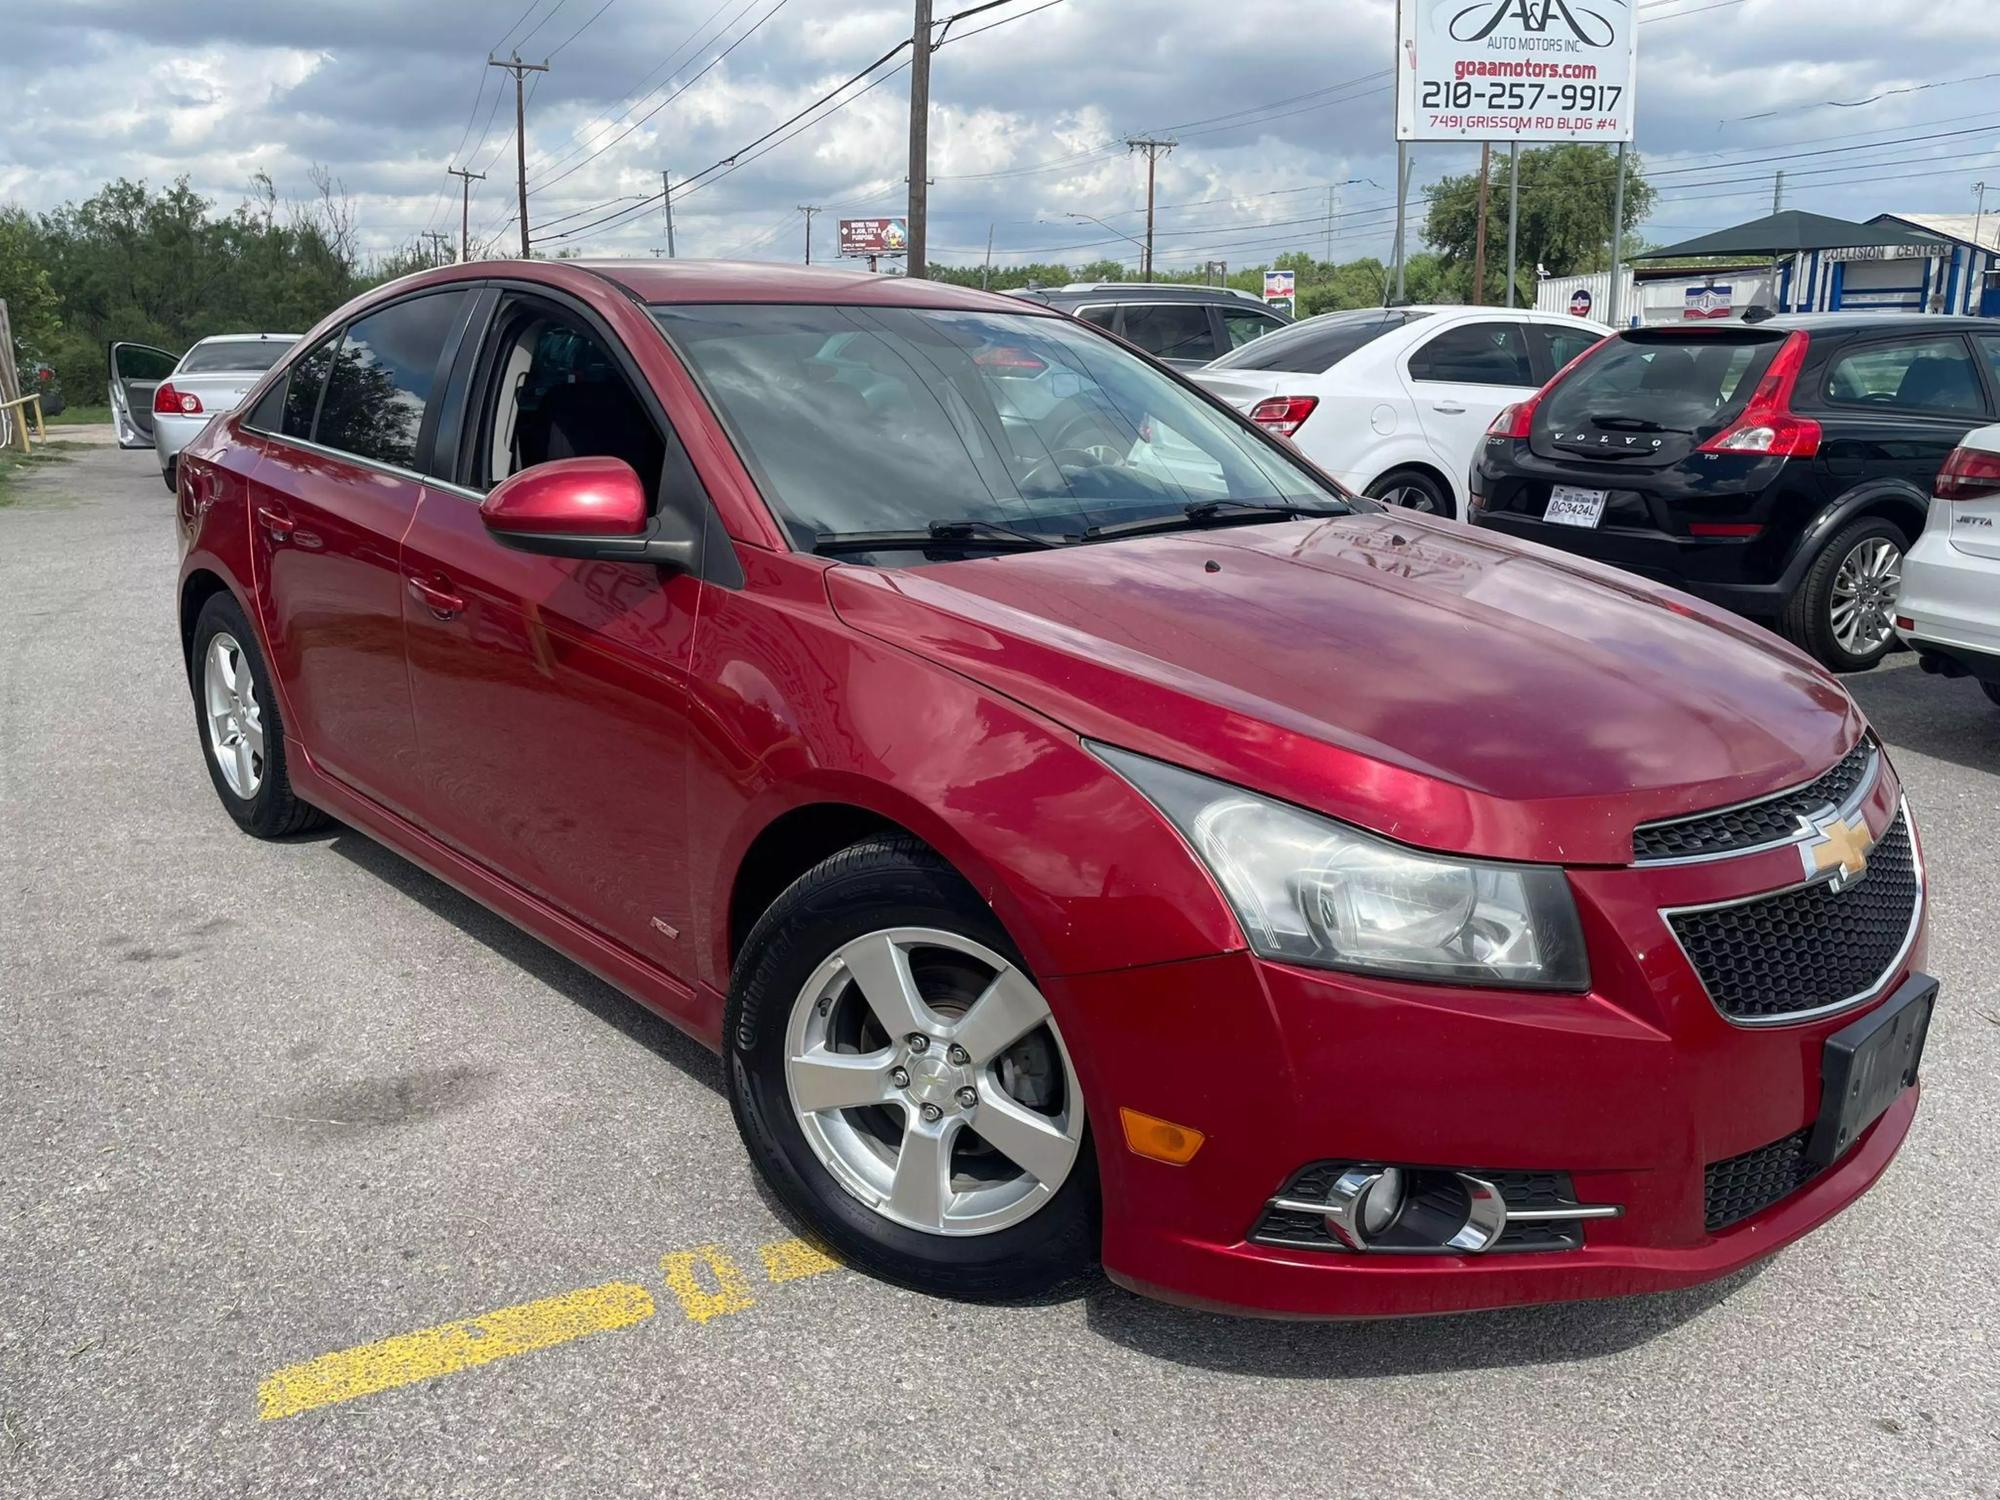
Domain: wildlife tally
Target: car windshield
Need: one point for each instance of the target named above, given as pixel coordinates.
(1316, 345)
(858, 420)
(249, 355)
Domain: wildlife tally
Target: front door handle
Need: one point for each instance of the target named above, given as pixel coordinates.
(1449, 410)
(276, 521)
(440, 601)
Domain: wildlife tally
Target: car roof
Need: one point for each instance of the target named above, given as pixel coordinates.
(1844, 322)
(697, 281)
(244, 338)
(1136, 291)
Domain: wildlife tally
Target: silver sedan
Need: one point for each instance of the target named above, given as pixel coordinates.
(212, 376)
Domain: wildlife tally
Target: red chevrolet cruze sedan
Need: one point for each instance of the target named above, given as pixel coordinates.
(1085, 830)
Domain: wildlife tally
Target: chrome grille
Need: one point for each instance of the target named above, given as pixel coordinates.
(1760, 824)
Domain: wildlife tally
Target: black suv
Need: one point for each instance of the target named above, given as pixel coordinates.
(1780, 469)
(1176, 323)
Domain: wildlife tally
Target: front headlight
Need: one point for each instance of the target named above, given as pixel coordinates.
(1312, 891)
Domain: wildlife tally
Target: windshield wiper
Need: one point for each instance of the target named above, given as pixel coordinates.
(988, 534)
(1202, 512)
(1619, 420)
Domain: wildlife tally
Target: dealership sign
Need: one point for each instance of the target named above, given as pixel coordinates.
(1711, 301)
(1281, 290)
(1530, 70)
(1580, 303)
(874, 236)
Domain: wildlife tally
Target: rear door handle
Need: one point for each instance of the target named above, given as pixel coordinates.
(440, 601)
(1448, 410)
(276, 521)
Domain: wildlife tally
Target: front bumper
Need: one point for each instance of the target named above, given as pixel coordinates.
(1633, 1090)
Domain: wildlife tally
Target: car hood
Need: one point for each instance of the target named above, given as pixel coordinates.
(1453, 689)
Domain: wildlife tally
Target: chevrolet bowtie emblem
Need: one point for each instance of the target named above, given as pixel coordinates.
(1839, 846)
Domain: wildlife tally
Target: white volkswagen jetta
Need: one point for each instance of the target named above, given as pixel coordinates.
(1948, 608)
(1395, 401)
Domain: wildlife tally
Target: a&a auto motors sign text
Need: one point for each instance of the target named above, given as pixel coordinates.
(1532, 70)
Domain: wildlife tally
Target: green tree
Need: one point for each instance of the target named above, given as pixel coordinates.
(33, 308)
(1567, 194)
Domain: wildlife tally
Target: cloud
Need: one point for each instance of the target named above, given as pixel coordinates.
(1029, 117)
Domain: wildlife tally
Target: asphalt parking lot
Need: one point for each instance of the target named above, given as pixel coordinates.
(262, 1105)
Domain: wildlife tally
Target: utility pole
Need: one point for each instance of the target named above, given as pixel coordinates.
(809, 209)
(1403, 166)
(1513, 219)
(1332, 194)
(1479, 236)
(465, 208)
(520, 70)
(439, 239)
(986, 272)
(1778, 192)
(1154, 150)
(918, 258)
(1617, 298)
(667, 202)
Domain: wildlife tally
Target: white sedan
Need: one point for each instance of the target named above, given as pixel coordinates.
(1948, 604)
(170, 410)
(1394, 402)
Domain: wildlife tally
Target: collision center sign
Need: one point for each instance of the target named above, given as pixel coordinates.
(874, 236)
(1528, 70)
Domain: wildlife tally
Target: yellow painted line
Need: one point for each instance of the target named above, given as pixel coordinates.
(791, 1260)
(683, 1272)
(450, 1347)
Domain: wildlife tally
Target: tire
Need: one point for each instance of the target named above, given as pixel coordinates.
(1413, 489)
(170, 473)
(1808, 617)
(255, 788)
(1992, 692)
(1006, 1233)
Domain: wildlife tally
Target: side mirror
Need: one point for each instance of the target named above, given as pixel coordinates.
(589, 508)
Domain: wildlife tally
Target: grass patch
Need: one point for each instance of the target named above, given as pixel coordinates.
(82, 416)
(15, 464)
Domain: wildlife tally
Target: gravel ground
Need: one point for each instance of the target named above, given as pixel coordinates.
(261, 1102)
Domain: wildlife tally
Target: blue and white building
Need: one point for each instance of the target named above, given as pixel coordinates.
(1960, 275)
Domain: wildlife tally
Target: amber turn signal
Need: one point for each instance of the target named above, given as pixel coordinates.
(1161, 1140)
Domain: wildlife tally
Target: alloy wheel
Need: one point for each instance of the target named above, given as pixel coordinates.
(235, 722)
(927, 1076)
(1410, 497)
(1862, 606)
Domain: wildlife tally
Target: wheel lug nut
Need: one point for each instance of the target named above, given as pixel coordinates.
(932, 1113)
(967, 1098)
(919, 1042)
(900, 1077)
(958, 1055)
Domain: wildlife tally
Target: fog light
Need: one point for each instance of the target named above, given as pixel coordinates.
(1383, 1201)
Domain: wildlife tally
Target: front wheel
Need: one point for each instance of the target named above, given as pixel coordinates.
(1844, 612)
(902, 1085)
(1412, 489)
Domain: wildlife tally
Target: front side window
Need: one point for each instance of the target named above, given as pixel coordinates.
(1476, 354)
(302, 387)
(1920, 374)
(1170, 330)
(382, 377)
(864, 420)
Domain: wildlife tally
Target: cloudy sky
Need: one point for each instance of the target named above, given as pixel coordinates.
(1275, 102)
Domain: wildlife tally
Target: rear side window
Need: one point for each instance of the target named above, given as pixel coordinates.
(381, 380)
(1919, 374)
(1476, 354)
(1565, 344)
(1989, 345)
(1316, 345)
(1171, 330)
(1678, 385)
(302, 388)
(1099, 317)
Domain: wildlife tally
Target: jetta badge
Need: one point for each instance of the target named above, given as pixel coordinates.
(1839, 846)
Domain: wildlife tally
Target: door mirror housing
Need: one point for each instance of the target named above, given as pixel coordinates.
(591, 508)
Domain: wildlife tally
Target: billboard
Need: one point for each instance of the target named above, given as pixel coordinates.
(1281, 290)
(1711, 301)
(874, 236)
(1527, 70)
